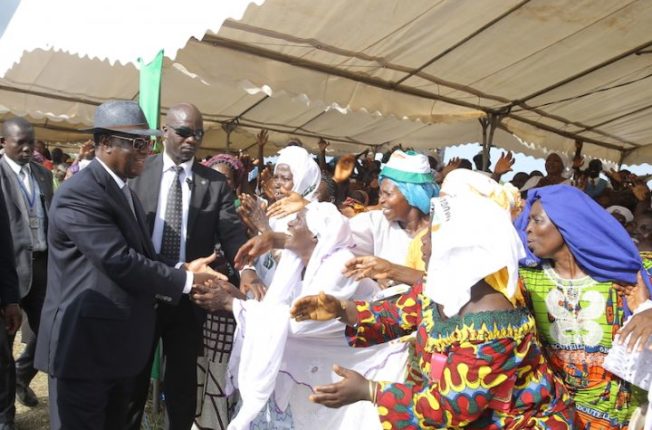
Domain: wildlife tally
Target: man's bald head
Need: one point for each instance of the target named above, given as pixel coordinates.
(18, 139)
(183, 132)
(183, 111)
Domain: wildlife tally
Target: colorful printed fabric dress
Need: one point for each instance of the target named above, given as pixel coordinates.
(495, 376)
(577, 321)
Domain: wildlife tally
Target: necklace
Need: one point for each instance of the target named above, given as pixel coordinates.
(571, 289)
(573, 322)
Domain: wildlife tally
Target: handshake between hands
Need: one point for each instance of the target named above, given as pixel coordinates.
(211, 290)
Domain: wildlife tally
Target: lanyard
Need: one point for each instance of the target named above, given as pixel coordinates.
(32, 199)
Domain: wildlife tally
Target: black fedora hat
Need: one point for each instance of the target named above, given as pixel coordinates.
(123, 116)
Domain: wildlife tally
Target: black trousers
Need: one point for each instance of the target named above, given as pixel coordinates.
(32, 305)
(22, 369)
(7, 378)
(91, 404)
(180, 329)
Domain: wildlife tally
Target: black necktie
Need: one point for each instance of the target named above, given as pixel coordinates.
(171, 241)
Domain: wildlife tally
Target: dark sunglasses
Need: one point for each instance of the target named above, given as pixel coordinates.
(137, 143)
(186, 132)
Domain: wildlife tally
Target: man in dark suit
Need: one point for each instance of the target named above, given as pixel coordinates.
(27, 187)
(10, 318)
(206, 217)
(98, 320)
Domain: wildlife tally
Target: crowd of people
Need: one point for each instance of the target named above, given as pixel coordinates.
(360, 291)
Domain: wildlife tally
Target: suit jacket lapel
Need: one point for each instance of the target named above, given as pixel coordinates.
(40, 178)
(115, 193)
(198, 192)
(140, 216)
(153, 185)
(10, 181)
(44, 186)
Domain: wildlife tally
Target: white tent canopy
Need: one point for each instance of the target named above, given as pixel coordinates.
(366, 73)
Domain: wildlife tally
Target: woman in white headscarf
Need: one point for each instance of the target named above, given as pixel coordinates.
(478, 361)
(295, 172)
(275, 356)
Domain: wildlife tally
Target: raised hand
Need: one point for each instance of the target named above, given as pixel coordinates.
(453, 164)
(367, 267)
(262, 138)
(504, 163)
(323, 144)
(287, 206)
(322, 307)
(253, 248)
(352, 388)
(634, 294)
(641, 191)
(578, 162)
(267, 183)
(253, 214)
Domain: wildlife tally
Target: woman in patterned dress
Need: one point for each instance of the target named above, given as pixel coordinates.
(578, 251)
(478, 363)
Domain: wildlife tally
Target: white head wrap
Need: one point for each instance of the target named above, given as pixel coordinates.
(306, 174)
(464, 181)
(472, 238)
(623, 211)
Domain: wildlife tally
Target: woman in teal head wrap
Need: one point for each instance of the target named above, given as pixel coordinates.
(383, 236)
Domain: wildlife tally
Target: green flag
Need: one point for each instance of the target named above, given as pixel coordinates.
(149, 100)
(150, 91)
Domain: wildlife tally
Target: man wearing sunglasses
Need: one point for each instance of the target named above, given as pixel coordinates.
(98, 321)
(189, 210)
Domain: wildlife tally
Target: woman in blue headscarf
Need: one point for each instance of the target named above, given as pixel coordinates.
(576, 253)
(383, 236)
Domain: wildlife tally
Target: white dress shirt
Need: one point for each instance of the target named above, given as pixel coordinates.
(185, 177)
(25, 179)
(121, 183)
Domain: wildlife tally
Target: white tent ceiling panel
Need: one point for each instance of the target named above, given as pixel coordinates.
(55, 71)
(291, 112)
(546, 142)
(333, 123)
(594, 100)
(386, 130)
(561, 39)
(216, 97)
(609, 79)
(42, 108)
(317, 86)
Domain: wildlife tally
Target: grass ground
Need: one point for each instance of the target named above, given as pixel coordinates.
(37, 418)
(33, 418)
